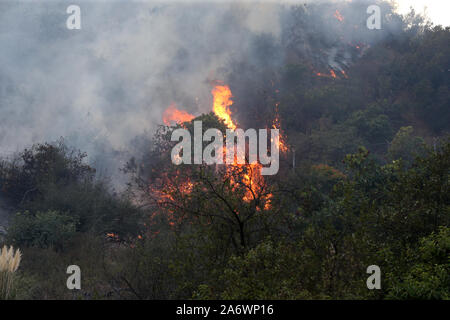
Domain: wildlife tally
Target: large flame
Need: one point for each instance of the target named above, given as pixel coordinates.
(172, 114)
(221, 104)
(248, 175)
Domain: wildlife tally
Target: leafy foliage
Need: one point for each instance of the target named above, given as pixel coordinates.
(44, 230)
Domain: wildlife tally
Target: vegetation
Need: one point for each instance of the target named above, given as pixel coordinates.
(370, 185)
(9, 262)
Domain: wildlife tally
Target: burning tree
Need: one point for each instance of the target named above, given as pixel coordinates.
(234, 201)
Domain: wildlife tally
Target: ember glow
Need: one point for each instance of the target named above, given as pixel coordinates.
(173, 115)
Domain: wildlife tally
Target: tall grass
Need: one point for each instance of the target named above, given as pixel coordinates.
(9, 262)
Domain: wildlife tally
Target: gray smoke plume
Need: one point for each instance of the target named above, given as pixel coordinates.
(104, 85)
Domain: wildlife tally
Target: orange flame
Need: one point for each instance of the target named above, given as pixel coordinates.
(252, 179)
(221, 104)
(172, 114)
(112, 236)
(331, 75)
(240, 175)
(276, 124)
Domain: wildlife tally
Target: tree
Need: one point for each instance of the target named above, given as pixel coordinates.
(406, 146)
(428, 276)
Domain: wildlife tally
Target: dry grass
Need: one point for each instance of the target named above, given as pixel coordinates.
(9, 262)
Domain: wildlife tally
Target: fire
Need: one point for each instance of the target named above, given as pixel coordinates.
(172, 114)
(276, 124)
(168, 190)
(248, 174)
(112, 236)
(254, 182)
(331, 75)
(338, 16)
(221, 104)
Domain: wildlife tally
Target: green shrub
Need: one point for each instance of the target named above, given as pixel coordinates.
(44, 230)
(429, 275)
(268, 271)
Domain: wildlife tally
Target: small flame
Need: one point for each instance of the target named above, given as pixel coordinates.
(333, 74)
(172, 114)
(338, 16)
(112, 236)
(276, 124)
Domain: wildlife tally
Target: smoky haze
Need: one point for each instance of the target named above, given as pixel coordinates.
(104, 85)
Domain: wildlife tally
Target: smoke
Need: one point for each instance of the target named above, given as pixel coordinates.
(104, 85)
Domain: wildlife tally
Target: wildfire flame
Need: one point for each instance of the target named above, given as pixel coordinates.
(247, 175)
(276, 124)
(172, 114)
(338, 16)
(331, 75)
(251, 178)
(221, 104)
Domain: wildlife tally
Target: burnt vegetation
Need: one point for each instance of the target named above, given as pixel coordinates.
(367, 121)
